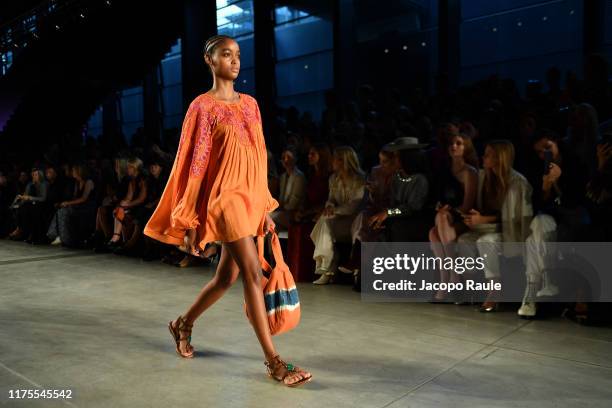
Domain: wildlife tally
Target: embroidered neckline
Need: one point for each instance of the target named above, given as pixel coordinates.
(240, 98)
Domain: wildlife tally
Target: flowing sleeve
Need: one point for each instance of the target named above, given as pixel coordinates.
(194, 153)
(271, 203)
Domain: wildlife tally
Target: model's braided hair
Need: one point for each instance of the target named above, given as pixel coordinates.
(212, 43)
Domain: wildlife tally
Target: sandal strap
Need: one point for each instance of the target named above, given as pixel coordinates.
(289, 366)
(183, 329)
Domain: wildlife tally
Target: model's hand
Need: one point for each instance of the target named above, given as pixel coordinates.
(124, 203)
(269, 225)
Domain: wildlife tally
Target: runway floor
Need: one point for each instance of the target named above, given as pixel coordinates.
(96, 325)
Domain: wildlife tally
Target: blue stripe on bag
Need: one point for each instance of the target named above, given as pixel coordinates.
(282, 299)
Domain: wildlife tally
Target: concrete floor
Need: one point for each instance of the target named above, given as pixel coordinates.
(96, 324)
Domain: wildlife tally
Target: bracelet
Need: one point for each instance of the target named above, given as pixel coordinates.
(393, 211)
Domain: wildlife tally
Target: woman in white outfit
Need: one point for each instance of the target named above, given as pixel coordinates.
(346, 189)
(504, 213)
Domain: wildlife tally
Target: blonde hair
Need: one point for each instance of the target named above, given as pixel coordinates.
(496, 181)
(136, 163)
(350, 161)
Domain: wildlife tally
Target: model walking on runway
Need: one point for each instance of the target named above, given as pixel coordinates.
(217, 191)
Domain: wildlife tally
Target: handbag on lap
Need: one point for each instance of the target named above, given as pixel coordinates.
(279, 290)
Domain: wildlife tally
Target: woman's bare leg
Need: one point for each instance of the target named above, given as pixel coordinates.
(225, 276)
(244, 253)
(448, 236)
(117, 230)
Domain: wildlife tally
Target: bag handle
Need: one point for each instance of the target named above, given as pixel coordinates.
(260, 252)
(276, 250)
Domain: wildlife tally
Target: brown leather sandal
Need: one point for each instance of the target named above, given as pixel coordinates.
(184, 327)
(276, 360)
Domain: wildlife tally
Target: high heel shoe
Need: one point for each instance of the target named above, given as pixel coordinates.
(113, 244)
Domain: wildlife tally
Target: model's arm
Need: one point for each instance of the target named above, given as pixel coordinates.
(196, 132)
(271, 202)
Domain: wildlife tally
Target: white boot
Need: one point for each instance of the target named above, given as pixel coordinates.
(549, 288)
(527, 310)
(56, 241)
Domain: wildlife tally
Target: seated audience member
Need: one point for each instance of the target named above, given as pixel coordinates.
(56, 193)
(457, 184)
(405, 219)
(116, 187)
(292, 190)
(156, 182)
(135, 198)
(317, 184)
(377, 197)
(31, 207)
(74, 217)
(346, 189)
(502, 214)
(560, 203)
(299, 245)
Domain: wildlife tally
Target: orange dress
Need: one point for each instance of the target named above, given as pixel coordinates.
(218, 184)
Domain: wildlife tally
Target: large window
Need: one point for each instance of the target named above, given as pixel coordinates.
(234, 18)
(304, 68)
